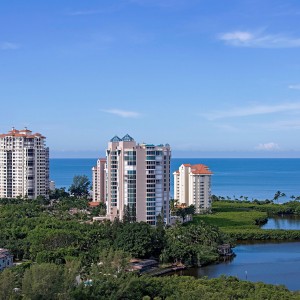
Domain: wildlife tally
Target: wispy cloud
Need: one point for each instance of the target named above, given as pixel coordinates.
(84, 12)
(259, 39)
(294, 86)
(161, 3)
(122, 113)
(227, 127)
(282, 125)
(9, 46)
(252, 110)
(267, 147)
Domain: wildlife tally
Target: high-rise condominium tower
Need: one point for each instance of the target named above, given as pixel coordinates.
(24, 164)
(99, 178)
(192, 186)
(137, 180)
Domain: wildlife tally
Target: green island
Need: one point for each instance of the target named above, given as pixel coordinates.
(61, 254)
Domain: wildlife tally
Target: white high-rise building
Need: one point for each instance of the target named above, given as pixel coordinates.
(24, 164)
(137, 180)
(99, 178)
(192, 186)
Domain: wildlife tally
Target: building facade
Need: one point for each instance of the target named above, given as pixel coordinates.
(6, 259)
(24, 164)
(192, 186)
(99, 181)
(137, 181)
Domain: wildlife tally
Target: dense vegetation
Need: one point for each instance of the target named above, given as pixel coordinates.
(55, 241)
(241, 219)
(50, 233)
(106, 281)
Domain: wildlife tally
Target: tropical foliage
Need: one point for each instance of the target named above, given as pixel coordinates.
(50, 281)
(241, 219)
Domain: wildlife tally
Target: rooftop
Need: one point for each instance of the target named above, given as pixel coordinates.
(21, 133)
(197, 169)
(126, 138)
(200, 169)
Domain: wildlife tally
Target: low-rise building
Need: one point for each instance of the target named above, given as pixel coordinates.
(6, 259)
(192, 186)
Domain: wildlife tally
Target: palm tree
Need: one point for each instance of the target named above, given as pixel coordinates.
(278, 195)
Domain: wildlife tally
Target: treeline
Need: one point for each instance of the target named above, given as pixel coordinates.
(50, 233)
(51, 281)
(262, 234)
(271, 208)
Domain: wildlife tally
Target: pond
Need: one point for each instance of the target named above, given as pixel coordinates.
(275, 263)
(285, 222)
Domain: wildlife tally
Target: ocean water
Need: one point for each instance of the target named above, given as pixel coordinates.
(232, 177)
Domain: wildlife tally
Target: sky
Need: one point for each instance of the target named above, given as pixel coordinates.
(211, 78)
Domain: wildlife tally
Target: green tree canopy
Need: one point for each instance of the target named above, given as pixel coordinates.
(80, 186)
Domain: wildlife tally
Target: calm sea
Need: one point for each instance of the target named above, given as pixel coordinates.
(253, 178)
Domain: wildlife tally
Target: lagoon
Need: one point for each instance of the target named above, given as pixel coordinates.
(274, 263)
(285, 222)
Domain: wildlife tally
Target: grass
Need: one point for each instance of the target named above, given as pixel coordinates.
(232, 219)
(239, 220)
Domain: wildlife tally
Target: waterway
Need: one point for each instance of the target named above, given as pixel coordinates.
(285, 222)
(274, 263)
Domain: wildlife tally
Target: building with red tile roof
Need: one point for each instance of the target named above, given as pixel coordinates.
(192, 186)
(24, 164)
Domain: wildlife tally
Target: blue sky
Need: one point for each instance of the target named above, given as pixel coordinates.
(212, 78)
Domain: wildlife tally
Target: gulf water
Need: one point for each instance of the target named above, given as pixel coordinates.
(234, 177)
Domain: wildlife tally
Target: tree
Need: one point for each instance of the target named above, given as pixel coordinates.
(80, 186)
(135, 238)
(191, 210)
(111, 262)
(59, 193)
(42, 282)
(278, 195)
(7, 284)
(173, 205)
(129, 213)
(181, 212)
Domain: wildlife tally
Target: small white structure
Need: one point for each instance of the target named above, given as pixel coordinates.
(192, 186)
(6, 259)
(52, 185)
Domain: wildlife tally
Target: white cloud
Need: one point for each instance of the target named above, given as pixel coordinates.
(8, 46)
(267, 146)
(258, 39)
(122, 113)
(240, 36)
(294, 86)
(253, 110)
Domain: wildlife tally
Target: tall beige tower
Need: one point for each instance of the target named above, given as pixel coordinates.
(137, 180)
(99, 178)
(192, 186)
(24, 164)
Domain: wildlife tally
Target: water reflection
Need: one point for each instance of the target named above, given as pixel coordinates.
(286, 222)
(275, 263)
